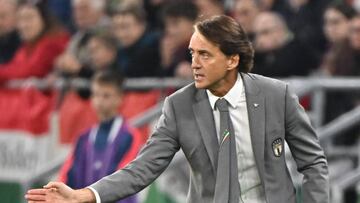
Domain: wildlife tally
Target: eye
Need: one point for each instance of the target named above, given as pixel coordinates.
(205, 55)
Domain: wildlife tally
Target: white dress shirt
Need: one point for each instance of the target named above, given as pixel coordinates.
(249, 179)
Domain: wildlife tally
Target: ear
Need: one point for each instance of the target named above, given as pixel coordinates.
(233, 61)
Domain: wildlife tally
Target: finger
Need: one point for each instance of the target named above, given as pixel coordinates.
(35, 197)
(35, 201)
(37, 192)
(53, 185)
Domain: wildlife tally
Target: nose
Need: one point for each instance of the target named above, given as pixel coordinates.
(195, 62)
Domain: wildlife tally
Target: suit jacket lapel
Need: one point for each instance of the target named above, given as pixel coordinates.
(256, 112)
(205, 120)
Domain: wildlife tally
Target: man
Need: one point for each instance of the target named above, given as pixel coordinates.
(107, 146)
(9, 38)
(139, 54)
(179, 18)
(278, 51)
(235, 154)
(245, 12)
(88, 15)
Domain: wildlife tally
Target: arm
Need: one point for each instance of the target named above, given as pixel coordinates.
(39, 64)
(151, 162)
(306, 150)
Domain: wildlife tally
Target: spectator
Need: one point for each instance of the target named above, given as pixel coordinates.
(43, 40)
(282, 7)
(62, 11)
(153, 8)
(209, 8)
(139, 54)
(344, 60)
(355, 39)
(179, 17)
(245, 12)
(277, 51)
(102, 48)
(336, 22)
(88, 15)
(106, 147)
(307, 26)
(337, 18)
(9, 38)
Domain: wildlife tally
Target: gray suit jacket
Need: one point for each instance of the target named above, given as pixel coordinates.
(187, 122)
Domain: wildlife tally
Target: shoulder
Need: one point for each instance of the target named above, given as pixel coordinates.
(265, 83)
(186, 93)
(56, 37)
(83, 136)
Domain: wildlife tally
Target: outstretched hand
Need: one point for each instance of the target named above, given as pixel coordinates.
(55, 192)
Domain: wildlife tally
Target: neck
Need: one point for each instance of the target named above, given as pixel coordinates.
(103, 118)
(222, 88)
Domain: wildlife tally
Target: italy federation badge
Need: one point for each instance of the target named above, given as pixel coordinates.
(277, 147)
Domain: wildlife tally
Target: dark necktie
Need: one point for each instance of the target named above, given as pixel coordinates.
(227, 188)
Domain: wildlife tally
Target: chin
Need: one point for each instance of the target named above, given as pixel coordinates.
(200, 85)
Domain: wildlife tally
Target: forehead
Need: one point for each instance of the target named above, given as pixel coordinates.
(103, 86)
(199, 42)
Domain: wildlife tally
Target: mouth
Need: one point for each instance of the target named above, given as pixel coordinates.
(198, 77)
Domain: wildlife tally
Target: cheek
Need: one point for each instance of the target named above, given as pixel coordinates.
(214, 71)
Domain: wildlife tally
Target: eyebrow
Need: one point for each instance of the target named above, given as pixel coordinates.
(201, 51)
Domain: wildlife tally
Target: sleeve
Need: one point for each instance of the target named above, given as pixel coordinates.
(149, 164)
(38, 64)
(97, 197)
(306, 150)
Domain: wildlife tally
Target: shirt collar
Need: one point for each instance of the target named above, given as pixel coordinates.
(233, 96)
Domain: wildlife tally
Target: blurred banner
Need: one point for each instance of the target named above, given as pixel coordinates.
(24, 131)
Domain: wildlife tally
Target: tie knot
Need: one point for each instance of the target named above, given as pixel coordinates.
(222, 105)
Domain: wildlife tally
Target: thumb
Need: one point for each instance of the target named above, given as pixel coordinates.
(56, 185)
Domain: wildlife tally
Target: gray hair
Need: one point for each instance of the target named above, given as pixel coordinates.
(96, 4)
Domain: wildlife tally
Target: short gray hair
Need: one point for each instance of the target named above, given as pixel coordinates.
(96, 4)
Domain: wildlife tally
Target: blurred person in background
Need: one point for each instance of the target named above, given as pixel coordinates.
(88, 15)
(209, 8)
(307, 26)
(277, 51)
(153, 8)
(102, 48)
(108, 145)
(337, 19)
(139, 54)
(282, 7)
(336, 22)
(9, 38)
(42, 41)
(245, 12)
(344, 60)
(62, 11)
(179, 18)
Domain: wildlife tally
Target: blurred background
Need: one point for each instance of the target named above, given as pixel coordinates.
(50, 49)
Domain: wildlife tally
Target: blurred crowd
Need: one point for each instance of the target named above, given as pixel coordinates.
(149, 38)
(51, 39)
